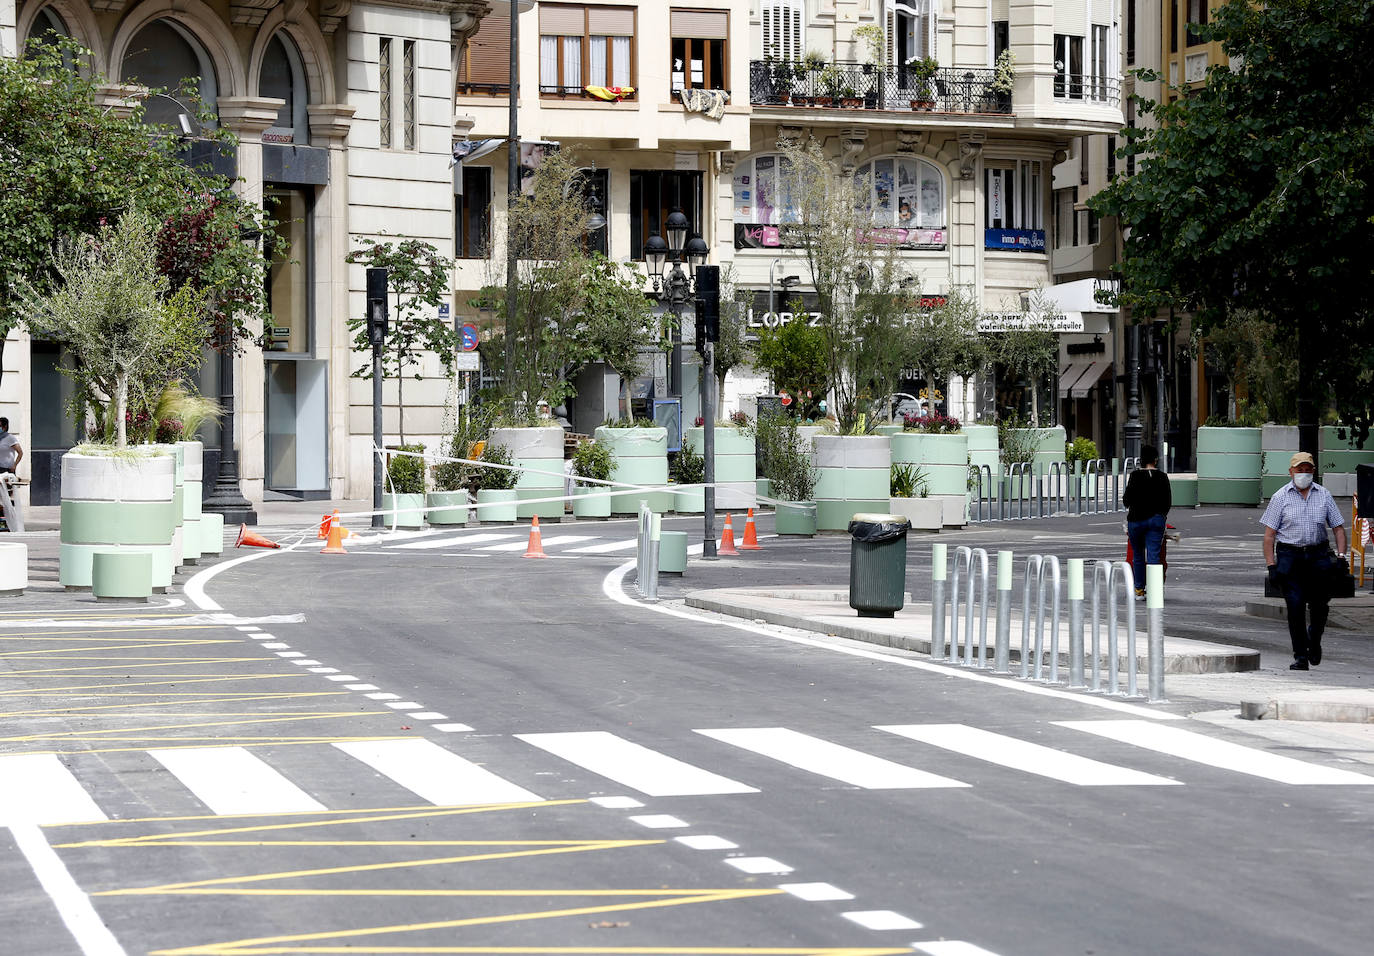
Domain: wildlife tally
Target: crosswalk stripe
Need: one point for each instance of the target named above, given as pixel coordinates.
(1217, 753)
(458, 540)
(560, 540)
(39, 789)
(633, 765)
(1026, 756)
(232, 780)
(830, 759)
(606, 548)
(434, 773)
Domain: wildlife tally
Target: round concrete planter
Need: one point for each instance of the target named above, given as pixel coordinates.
(1277, 444)
(541, 451)
(641, 458)
(735, 472)
(193, 469)
(944, 461)
(1337, 454)
(446, 508)
(497, 505)
(1228, 466)
(795, 517)
(855, 476)
(1049, 447)
(591, 501)
(123, 575)
(14, 568)
(111, 502)
(982, 445)
(409, 510)
(179, 498)
(690, 501)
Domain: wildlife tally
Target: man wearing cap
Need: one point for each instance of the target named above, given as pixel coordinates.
(1299, 559)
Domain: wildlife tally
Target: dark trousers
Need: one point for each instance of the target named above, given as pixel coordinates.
(1305, 573)
(1146, 537)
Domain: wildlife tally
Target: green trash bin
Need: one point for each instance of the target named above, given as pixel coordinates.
(877, 564)
(672, 552)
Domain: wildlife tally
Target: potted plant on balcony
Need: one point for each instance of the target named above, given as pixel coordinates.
(828, 85)
(849, 97)
(1003, 80)
(783, 74)
(807, 81)
(920, 73)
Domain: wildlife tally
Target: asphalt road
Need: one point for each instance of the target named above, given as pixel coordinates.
(498, 757)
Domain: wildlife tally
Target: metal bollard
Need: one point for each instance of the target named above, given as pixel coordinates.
(1057, 476)
(1154, 603)
(1075, 622)
(651, 574)
(1001, 653)
(1112, 571)
(1102, 577)
(642, 547)
(981, 555)
(1116, 484)
(974, 480)
(938, 572)
(1032, 572)
(963, 558)
(1052, 564)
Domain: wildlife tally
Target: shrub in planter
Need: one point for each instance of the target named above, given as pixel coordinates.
(496, 495)
(405, 494)
(689, 468)
(593, 459)
(447, 503)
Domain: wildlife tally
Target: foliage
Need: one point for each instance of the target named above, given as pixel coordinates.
(418, 276)
(593, 459)
(933, 424)
(1080, 449)
(874, 39)
(1017, 439)
(130, 335)
(921, 72)
(629, 423)
(1256, 191)
(783, 458)
(1257, 361)
(796, 358)
(1248, 415)
(733, 348)
(71, 163)
(1030, 350)
(1004, 73)
(944, 341)
(907, 480)
(689, 466)
(471, 425)
(497, 479)
(406, 473)
(187, 408)
(739, 420)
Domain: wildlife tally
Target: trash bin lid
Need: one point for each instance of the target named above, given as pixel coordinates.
(873, 528)
(881, 519)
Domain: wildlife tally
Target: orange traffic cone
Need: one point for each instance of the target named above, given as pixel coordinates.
(252, 539)
(324, 526)
(535, 549)
(335, 543)
(750, 542)
(727, 540)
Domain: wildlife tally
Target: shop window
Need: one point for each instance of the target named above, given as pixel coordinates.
(585, 46)
(287, 249)
(472, 214)
(1013, 198)
(655, 193)
(904, 193)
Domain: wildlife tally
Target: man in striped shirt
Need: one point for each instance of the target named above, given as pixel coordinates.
(1298, 556)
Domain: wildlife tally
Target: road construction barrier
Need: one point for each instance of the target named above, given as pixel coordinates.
(964, 558)
(1106, 574)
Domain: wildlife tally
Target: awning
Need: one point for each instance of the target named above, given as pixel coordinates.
(1077, 296)
(1088, 379)
(1070, 374)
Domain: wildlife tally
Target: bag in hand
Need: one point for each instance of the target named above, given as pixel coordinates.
(1340, 580)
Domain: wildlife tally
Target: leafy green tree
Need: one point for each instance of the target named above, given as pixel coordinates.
(797, 357)
(107, 302)
(418, 277)
(69, 163)
(733, 348)
(944, 341)
(1256, 192)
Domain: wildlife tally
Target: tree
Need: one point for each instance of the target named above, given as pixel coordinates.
(732, 348)
(1256, 192)
(1028, 349)
(130, 334)
(69, 163)
(944, 341)
(796, 356)
(419, 277)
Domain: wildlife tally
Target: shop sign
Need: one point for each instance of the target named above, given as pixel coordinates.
(753, 235)
(1010, 321)
(1019, 240)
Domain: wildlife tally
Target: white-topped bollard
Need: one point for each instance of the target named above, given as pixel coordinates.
(1154, 605)
(1001, 655)
(939, 573)
(1075, 622)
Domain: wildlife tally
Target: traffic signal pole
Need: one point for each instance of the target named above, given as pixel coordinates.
(708, 333)
(376, 334)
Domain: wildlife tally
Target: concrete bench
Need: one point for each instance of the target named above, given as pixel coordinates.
(14, 568)
(122, 575)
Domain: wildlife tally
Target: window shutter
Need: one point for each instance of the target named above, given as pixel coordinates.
(784, 29)
(611, 22)
(1102, 12)
(701, 24)
(562, 21)
(488, 52)
(1070, 16)
(1001, 10)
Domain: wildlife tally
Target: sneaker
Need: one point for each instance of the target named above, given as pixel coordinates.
(1298, 666)
(1140, 594)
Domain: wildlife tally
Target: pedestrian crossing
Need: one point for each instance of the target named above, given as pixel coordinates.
(620, 540)
(46, 788)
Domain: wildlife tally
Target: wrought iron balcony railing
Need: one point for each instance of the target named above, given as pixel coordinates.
(864, 86)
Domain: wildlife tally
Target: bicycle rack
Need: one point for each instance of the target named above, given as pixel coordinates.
(1106, 573)
(963, 559)
(1036, 566)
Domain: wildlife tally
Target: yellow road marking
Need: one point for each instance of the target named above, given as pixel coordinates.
(209, 743)
(108, 734)
(538, 951)
(101, 632)
(162, 702)
(54, 652)
(171, 680)
(120, 665)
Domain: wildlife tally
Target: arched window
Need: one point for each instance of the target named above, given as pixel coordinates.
(47, 26)
(902, 192)
(765, 193)
(283, 77)
(163, 54)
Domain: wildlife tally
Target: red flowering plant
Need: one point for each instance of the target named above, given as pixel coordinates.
(934, 424)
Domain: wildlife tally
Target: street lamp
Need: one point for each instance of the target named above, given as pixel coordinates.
(676, 287)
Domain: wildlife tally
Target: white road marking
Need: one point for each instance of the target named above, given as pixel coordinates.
(39, 789)
(404, 705)
(276, 645)
(433, 773)
(605, 548)
(343, 677)
(1026, 756)
(324, 670)
(951, 947)
(829, 759)
(560, 540)
(453, 728)
(758, 864)
(815, 892)
(430, 715)
(707, 842)
(881, 919)
(616, 803)
(659, 821)
(464, 540)
(306, 663)
(360, 687)
(508, 546)
(635, 766)
(231, 780)
(1200, 748)
(290, 654)
(72, 904)
(382, 695)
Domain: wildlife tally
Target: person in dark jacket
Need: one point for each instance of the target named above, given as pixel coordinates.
(1148, 500)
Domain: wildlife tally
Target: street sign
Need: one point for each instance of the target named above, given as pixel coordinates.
(468, 337)
(467, 362)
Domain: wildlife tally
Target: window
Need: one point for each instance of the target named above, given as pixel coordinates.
(472, 213)
(283, 77)
(1013, 195)
(1064, 216)
(784, 29)
(1173, 26)
(287, 250)
(904, 193)
(654, 193)
(698, 51)
(485, 63)
(1197, 16)
(1094, 228)
(162, 54)
(1130, 32)
(585, 46)
(1068, 66)
(1111, 158)
(1130, 124)
(765, 195)
(1100, 59)
(1001, 37)
(1082, 160)
(384, 93)
(910, 28)
(408, 92)
(389, 91)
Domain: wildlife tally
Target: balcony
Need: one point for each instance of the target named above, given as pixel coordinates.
(864, 86)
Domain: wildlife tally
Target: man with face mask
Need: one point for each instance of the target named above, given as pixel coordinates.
(1299, 559)
(11, 453)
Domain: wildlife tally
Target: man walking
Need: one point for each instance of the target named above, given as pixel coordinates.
(1148, 499)
(11, 452)
(1299, 559)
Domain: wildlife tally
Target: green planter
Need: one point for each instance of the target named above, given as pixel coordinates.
(795, 517)
(111, 502)
(1277, 445)
(497, 505)
(1183, 490)
(178, 453)
(1337, 455)
(1228, 466)
(855, 476)
(541, 451)
(409, 511)
(763, 488)
(736, 489)
(193, 467)
(641, 458)
(691, 501)
(944, 461)
(446, 508)
(982, 445)
(591, 501)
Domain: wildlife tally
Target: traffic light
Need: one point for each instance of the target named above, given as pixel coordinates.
(708, 305)
(376, 306)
